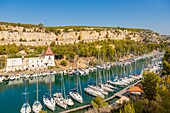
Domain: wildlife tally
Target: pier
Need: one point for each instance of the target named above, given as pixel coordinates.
(119, 94)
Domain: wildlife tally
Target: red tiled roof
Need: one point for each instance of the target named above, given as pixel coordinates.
(48, 52)
(135, 89)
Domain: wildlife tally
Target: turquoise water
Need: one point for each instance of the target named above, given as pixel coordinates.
(11, 98)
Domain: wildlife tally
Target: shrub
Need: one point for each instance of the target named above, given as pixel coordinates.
(63, 63)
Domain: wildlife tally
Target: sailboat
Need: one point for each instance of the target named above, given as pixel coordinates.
(74, 93)
(67, 98)
(48, 99)
(60, 101)
(94, 90)
(97, 88)
(37, 107)
(25, 107)
(104, 86)
(58, 97)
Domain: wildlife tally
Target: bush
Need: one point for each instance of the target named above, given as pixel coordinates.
(43, 111)
(52, 43)
(63, 63)
(99, 102)
(51, 67)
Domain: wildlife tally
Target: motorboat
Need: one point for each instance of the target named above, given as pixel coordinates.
(12, 77)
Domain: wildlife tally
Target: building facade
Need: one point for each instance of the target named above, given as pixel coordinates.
(35, 63)
(14, 64)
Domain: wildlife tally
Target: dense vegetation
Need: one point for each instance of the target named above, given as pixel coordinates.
(107, 50)
(166, 63)
(21, 25)
(98, 102)
(156, 96)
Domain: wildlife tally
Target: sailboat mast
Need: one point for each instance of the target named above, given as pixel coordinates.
(63, 85)
(80, 86)
(50, 85)
(25, 92)
(77, 83)
(96, 77)
(37, 89)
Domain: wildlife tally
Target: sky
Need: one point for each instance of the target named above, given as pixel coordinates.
(148, 14)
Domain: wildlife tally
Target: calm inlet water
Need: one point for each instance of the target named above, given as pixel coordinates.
(11, 98)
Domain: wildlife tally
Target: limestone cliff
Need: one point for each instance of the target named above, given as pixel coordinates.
(43, 36)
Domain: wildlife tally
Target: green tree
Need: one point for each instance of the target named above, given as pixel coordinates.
(141, 106)
(63, 63)
(40, 25)
(166, 63)
(98, 102)
(43, 111)
(79, 37)
(24, 30)
(151, 85)
(128, 108)
(52, 43)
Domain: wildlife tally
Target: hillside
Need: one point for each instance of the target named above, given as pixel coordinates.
(28, 34)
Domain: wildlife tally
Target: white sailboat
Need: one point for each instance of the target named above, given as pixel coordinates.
(97, 88)
(74, 93)
(60, 101)
(58, 97)
(48, 100)
(25, 107)
(93, 92)
(69, 101)
(103, 86)
(37, 107)
(76, 96)
(67, 98)
(1, 78)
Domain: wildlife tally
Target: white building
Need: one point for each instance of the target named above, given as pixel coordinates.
(37, 63)
(49, 57)
(14, 64)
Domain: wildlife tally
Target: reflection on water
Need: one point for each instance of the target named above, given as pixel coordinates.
(10, 92)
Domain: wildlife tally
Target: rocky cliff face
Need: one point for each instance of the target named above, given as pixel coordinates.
(39, 36)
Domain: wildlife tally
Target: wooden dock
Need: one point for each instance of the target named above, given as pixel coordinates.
(75, 109)
(119, 94)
